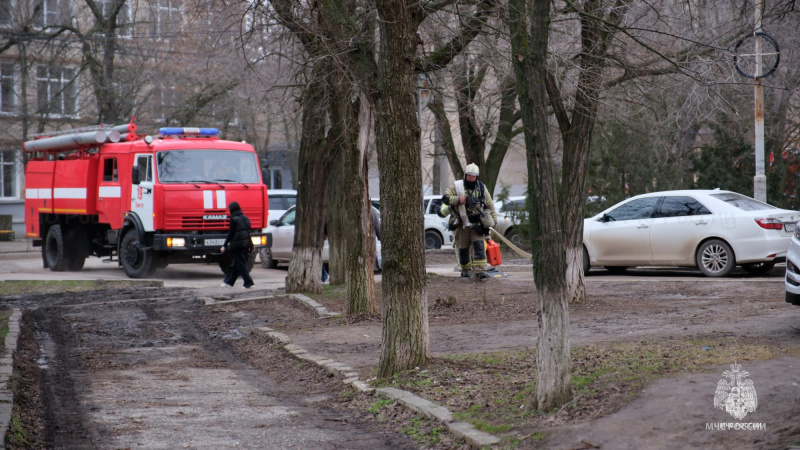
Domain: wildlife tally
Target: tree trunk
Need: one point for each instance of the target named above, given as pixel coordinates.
(575, 284)
(577, 133)
(337, 222)
(356, 225)
(404, 307)
(529, 55)
(305, 268)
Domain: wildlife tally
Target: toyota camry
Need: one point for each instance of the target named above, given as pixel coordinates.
(712, 230)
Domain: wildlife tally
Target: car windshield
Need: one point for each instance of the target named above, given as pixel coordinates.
(207, 166)
(513, 206)
(742, 201)
(279, 201)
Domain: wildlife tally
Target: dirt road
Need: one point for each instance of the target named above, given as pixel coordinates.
(147, 368)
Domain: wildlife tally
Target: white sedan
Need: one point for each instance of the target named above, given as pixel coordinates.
(283, 242)
(713, 230)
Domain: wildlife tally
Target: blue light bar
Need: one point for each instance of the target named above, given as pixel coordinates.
(188, 131)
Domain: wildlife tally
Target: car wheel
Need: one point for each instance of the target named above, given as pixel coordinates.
(432, 240)
(616, 270)
(715, 258)
(265, 258)
(586, 265)
(514, 237)
(758, 268)
(794, 299)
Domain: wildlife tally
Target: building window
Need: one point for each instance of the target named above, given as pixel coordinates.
(7, 93)
(8, 174)
(57, 91)
(6, 9)
(124, 25)
(273, 178)
(53, 12)
(165, 100)
(166, 15)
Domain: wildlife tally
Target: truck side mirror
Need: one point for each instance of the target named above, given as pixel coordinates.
(135, 175)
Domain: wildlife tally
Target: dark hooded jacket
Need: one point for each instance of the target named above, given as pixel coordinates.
(239, 231)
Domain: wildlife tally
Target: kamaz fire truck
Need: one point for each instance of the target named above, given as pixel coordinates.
(148, 200)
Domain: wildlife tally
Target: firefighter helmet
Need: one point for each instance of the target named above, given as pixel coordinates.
(472, 169)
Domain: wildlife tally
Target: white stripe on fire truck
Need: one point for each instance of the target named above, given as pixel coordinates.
(208, 200)
(111, 191)
(221, 200)
(70, 193)
(38, 193)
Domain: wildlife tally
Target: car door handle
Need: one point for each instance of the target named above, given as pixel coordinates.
(702, 222)
(643, 226)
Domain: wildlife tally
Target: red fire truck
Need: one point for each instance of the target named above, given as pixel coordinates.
(148, 200)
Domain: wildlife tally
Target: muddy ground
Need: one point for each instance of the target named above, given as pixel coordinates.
(156, 368)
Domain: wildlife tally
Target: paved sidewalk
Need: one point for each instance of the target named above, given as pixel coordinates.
(17, 248)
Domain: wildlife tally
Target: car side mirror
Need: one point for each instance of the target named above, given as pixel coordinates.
(273, 223)
(605, 218)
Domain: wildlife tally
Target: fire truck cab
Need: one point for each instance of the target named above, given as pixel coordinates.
(150, 201)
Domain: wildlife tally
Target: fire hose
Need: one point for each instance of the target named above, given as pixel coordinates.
(516, 249)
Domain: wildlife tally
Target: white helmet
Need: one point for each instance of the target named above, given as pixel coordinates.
(472, 169)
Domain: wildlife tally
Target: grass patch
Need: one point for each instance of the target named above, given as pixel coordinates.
(4, 315)
(17, 435)
(496, 391)
(379, 405)
(25, 287)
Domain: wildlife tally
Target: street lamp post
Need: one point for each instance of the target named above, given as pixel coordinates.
(760, 179)
(756, 57)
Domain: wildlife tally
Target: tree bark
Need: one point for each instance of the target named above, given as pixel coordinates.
(529, 26)
(315, 161)
(404, 309)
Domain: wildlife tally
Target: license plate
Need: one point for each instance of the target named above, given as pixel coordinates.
(209, 242)
(788, 227)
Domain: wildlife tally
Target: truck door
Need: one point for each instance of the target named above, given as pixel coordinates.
(142, 193)
(109, 195)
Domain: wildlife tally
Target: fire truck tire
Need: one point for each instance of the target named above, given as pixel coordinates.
(226, 259)
(137, 261)
(78, 243)
(54, 250)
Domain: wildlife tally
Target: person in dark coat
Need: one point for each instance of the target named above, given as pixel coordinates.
(239, 243)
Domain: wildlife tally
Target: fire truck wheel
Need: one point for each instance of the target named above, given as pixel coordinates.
(55, 253)
(226, 259)
(137, 261)
(78, 244)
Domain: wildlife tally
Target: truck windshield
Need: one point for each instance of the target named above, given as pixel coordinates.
(211, 166)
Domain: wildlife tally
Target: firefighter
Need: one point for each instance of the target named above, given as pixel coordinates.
(472, 214)
(240, 244)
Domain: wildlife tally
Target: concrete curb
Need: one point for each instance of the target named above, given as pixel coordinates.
(6, 369)
(348, 375)
(321, 311)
